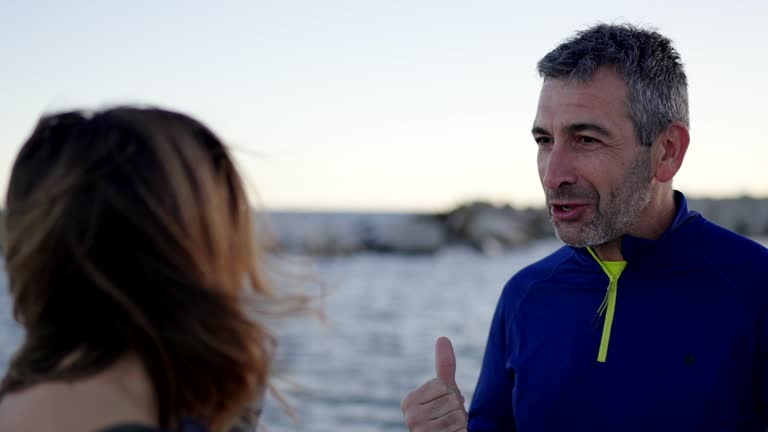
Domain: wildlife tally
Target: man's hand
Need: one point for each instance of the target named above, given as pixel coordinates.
(437, 406)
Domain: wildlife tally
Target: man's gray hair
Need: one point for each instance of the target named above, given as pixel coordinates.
(644, 59)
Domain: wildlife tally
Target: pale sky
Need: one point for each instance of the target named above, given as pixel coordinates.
(376, 105)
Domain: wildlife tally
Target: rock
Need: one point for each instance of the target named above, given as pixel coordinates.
(411, 234)
(488, 228)
(344, 233)
(745, 215)
(491, 226)
(331, 240)
(315, 233)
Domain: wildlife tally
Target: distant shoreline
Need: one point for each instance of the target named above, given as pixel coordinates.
(487, 227)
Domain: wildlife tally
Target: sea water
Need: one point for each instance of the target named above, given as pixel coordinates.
(383, 314)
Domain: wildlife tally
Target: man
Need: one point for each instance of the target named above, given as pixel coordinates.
(651, 318)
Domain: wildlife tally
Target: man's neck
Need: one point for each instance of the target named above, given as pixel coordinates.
(652, 223)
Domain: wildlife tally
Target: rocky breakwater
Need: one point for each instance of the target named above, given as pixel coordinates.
(746, 215)
(487, 228)
(331, 233)
(492, 229)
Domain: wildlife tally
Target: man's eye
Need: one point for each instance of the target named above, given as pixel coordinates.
(542, 140)
(587, 140)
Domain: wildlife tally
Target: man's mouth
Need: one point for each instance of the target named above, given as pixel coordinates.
(567, 206)
(567, 211)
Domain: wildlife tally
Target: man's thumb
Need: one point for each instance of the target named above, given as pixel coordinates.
(445, 361)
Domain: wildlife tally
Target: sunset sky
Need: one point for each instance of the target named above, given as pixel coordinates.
(376, 105)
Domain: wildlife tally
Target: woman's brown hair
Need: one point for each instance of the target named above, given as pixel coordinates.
(129, 231)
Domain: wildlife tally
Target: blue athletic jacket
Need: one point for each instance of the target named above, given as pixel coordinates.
(678, 342)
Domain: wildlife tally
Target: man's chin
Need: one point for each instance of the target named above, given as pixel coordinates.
(576, 238)
(572, 241)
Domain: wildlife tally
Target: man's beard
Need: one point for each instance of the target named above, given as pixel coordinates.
(621, 211)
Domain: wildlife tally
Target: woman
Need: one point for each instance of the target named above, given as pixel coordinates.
(134, 272)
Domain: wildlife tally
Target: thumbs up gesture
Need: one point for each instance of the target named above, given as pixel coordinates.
(437, 406)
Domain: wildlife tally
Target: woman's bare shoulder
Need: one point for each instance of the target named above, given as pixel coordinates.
(88, 404)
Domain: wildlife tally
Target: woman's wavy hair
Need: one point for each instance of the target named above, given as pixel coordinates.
(128, 231)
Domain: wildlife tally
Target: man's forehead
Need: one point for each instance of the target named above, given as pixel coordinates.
(601, 100)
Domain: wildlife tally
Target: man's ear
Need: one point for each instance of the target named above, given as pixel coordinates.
(669, 151)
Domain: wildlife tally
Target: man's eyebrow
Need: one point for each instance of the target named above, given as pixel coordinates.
(576, 128)
(537, 130)
(582, 127)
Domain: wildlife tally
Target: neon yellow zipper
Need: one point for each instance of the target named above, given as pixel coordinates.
(613, 270)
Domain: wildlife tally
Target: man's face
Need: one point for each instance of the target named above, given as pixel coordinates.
(595, 174)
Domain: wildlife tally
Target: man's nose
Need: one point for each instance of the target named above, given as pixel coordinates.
(558, 168)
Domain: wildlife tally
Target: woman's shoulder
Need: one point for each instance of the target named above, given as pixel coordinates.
(131, 428)
(64, 406)
(187, 425)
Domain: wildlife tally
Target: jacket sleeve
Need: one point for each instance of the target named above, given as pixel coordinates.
(491, 408)
(762, 375)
